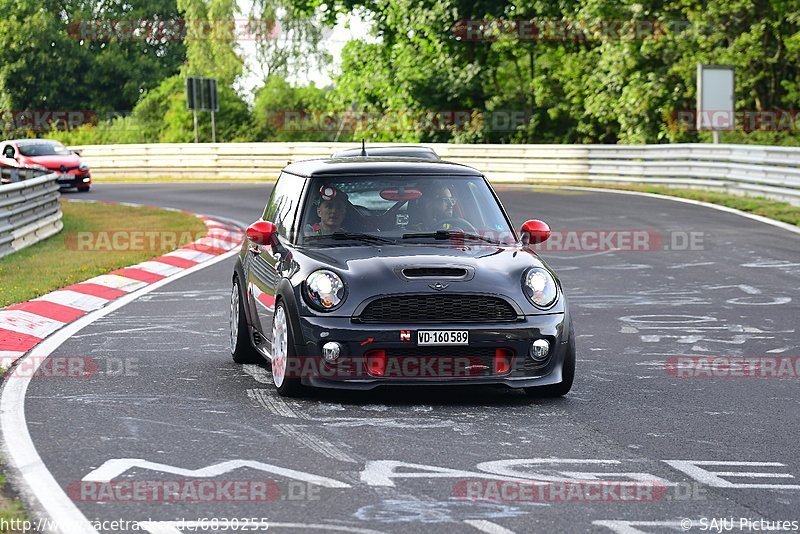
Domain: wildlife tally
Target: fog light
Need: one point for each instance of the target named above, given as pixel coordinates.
(539, 350)
(86, 179)
(331, 351)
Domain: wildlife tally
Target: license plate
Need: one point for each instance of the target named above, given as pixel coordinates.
(443, 337)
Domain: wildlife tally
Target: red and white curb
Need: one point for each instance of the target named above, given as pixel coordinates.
(25, 325)
(33, 330)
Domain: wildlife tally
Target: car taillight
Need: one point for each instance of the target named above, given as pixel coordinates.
(502, 361)
(376, 362)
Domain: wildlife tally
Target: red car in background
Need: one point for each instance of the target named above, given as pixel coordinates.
(52, 155)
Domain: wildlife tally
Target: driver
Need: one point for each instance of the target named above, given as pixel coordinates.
(331, 211)
(437, 205)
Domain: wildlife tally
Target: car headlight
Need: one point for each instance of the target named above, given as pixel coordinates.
(83, 167)
(324, 290)
(540, 287)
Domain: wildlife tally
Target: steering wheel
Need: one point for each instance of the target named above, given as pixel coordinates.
(456, 223)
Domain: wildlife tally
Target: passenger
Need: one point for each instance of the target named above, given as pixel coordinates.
(331, 211)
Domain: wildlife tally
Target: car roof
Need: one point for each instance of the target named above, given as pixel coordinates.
(23, 142)
(378, 166)
(421, 152)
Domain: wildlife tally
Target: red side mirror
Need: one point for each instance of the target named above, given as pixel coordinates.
(261, 232)
(535, 231)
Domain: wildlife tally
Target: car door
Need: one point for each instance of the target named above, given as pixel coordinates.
(264, 262)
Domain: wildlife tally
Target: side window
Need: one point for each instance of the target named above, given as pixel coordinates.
(8, 151)
(282, 206)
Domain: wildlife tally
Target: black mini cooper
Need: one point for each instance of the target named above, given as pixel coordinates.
(399, 269)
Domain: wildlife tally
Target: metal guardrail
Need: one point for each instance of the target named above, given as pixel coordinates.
(29, 212)
(11, 171)
(743, 169)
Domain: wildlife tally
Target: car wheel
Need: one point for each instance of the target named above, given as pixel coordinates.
(242, 350)
(283, 355)
(567, 376)
(83, 189)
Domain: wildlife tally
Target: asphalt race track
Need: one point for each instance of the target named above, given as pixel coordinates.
(714, 285)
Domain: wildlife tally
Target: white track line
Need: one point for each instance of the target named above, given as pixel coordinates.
(37, 482)
(487, 526)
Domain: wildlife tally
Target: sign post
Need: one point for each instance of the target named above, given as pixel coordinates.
(201, 95)
(715, 99)
(191, 102)
(213, 105)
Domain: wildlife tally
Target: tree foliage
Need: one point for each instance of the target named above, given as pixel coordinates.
(593, 71)
(52, 56)
(603, 88)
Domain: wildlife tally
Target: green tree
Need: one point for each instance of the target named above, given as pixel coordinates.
(52, 57)
(282, 112)
(597, 88)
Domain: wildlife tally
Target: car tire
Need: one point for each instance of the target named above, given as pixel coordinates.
(283, 354)
(83, 189)
(242, 350)
(567, 376)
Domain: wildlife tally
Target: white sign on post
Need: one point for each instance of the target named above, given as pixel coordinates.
(715, 99)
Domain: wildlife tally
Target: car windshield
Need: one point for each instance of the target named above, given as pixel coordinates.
(402, 209)
(43, 149)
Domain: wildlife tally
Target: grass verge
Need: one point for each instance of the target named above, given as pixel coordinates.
(85, 247)
(11, 510)
(773, 209)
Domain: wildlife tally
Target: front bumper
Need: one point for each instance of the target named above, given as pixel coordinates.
(80, 179)
(359, 341)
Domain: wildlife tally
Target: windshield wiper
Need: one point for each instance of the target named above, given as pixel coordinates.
(449, 234)
(357, 236)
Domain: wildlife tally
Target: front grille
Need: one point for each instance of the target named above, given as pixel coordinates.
(439, 362)
(435, 272)
(64, 168)
(438, 309)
